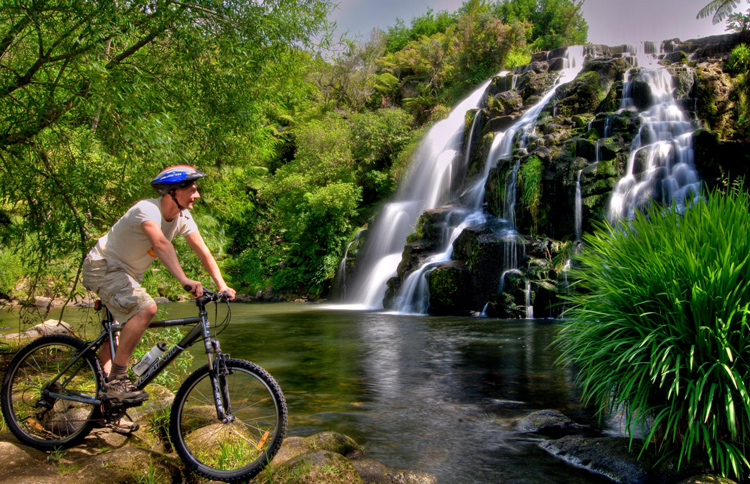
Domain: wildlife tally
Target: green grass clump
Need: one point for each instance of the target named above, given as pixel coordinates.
(660, 327)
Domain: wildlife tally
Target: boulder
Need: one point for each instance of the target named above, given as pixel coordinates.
(552, 423)
(318, 466)
(450, 288)
(504, 103)
(620, 460)
(51, 326)
(374, 472)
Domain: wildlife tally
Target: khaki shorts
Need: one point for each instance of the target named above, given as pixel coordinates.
(119, 291)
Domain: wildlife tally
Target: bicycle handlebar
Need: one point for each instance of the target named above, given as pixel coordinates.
(209, 295)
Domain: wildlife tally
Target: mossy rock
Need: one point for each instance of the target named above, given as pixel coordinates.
(334, 442)
(374, 472)
(315, 467)
(326, 441)
(451, 288)
(504, 103)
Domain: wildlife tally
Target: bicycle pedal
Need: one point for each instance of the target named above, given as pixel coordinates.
(132, 403)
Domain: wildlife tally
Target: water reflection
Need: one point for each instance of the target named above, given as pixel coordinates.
(436, 394)
(429, 393)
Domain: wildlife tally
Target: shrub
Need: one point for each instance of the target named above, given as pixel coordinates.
(660, 328)
(739, 59)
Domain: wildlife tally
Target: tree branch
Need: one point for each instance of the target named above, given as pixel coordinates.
(12, 34)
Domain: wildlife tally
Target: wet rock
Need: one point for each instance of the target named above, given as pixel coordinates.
(715, 159)
(557, 64)
(161, 300)
(504, 103)
(318, 467)
(374, 472)
(707, 479)
(551, 423)
(607, 456)
(618, 460)
(450, 288)
(500, 123)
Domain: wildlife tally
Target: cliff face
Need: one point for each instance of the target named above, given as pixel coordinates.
(560, 183)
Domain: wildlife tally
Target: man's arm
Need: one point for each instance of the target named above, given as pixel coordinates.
(165, 252)
(195, 241)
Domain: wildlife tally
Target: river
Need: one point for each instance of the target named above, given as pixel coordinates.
(437, 394)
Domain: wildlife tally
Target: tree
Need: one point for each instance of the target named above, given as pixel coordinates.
(739, 22)
(549, 23)
(718, 9)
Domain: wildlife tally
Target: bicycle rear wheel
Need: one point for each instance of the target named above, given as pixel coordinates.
(241, 448)
(36, 417)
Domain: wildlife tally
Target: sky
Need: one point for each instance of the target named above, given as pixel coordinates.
(611, 22)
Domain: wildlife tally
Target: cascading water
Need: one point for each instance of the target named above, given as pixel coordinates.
(661, 162)
(428, 183)
(413, 296)
(579, 207)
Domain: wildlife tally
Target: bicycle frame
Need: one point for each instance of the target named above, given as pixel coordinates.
(201, 329)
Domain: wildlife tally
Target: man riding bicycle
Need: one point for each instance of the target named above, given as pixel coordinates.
(115, 266)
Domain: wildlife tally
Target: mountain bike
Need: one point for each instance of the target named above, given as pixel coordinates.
(227, 421)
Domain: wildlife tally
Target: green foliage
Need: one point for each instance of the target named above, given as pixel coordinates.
(481, 45)
(530, 182)
(661, 328)
(739, 22)
(11, 271)
(549, 23)
(718, 10)
(517, 58)
(425, 25)
(739, 59)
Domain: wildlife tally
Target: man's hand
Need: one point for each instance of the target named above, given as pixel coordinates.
(195, 287)
(228, 291)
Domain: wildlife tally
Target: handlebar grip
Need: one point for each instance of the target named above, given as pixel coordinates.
(187, 288)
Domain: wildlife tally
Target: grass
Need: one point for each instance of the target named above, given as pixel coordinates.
(660, 326)
(57, 459)
(152, 475)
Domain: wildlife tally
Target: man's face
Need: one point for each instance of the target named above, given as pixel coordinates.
(187, 196)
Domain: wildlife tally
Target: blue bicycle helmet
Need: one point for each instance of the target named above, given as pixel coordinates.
(178, 176)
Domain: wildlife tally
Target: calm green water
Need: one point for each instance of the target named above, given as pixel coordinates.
(438, 394)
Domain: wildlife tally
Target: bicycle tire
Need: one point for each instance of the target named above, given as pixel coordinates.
(65, 423)
(233, 451)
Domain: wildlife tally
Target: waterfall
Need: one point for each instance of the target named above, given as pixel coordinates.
(660, 164)
(413, 296)
(428, 183)
(579, 206)
(341, 271)
(529, 307)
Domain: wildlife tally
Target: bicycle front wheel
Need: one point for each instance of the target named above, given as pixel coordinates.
(240, 448)
(44, 406)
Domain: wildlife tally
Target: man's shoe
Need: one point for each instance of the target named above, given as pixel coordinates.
(122, 389)
(124, 427)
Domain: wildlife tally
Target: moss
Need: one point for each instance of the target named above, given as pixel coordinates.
(591, 134)
(530, 182)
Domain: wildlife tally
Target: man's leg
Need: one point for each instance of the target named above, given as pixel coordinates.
(118, 384)
(131, 334)
(129, 337)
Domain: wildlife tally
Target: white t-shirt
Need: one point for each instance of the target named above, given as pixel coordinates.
(127, 245)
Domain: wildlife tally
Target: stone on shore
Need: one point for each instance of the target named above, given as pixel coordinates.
(552, 423)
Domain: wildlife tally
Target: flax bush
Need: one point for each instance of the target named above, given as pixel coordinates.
(659, 328)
